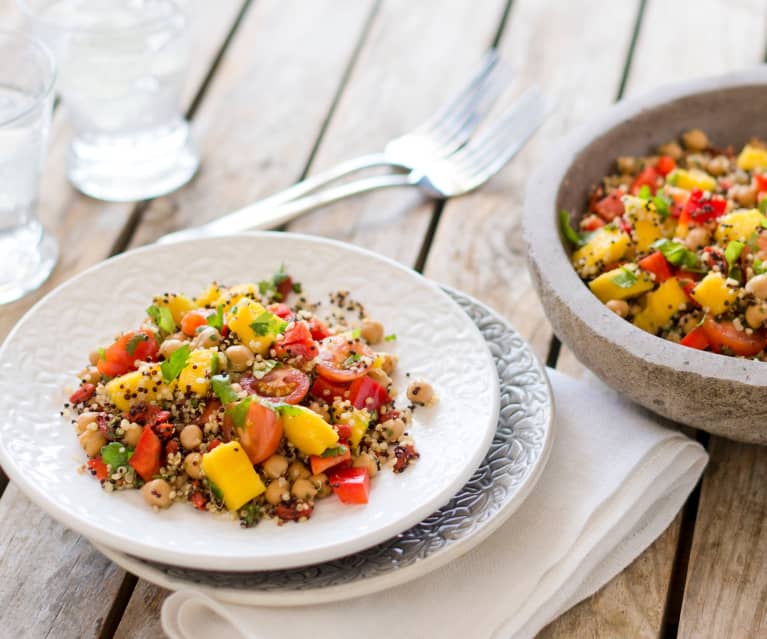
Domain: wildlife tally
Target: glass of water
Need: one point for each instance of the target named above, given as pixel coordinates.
(27, 253)
(121, 74)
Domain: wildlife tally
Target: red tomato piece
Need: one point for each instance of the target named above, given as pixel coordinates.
(696, 338)
(193, 320)
(656, 263)
(592, 223)
(285, 287)
(198, 500)
(761, 182)
(213, 443)
(283, 384)
(288, 512)
(318, 329)
(296, 341)
(700, 209)
(610, 206)
(352, 485)
(120, 357)
(98, 468)
(327, 390)
(280, 310)
(724, 335)
(344, 359)
(648, 177)
(321, 464)
(261, 433)
(665, 165)
(344, 431)
(146, 458)
(82, 394)
(368, 393)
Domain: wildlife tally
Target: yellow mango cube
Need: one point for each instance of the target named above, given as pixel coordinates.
(140, 386)
(692, 179)
(229, 468)
(738, 225)
(606, 245)
(196, 374)
(179, 305)
(752, 157)
(230, 296)
(618, 285)
(306, 430)
(662, 304)
(359, 422)
(209, 295)
(713, 293)
(255, 327)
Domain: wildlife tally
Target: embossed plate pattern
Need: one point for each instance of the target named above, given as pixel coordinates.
(516, 458)
(435, 340)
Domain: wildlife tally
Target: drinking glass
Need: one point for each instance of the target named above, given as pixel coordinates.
(121, 73)
(27, 75)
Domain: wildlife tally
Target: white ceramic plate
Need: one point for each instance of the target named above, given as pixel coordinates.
(435, 340)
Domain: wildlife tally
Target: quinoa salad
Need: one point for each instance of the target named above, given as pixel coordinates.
(676, 243)
(243, 400)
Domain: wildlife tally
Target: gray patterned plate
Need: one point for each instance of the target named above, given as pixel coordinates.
(513, 464)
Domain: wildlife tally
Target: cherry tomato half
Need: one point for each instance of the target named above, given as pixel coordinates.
(283, 384)
(725, 334)
(120, 357)
(344, 359)
(261, 433)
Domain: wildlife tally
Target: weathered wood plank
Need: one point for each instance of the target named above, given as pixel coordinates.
(726, 590)
(141, 619)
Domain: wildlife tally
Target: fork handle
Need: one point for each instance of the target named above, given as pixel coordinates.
(265, 215)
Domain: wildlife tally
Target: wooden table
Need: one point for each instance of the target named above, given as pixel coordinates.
(280, 89)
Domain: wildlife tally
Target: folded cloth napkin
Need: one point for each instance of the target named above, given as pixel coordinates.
(614, 482)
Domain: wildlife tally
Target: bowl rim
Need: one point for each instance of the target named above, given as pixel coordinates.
(540, 201)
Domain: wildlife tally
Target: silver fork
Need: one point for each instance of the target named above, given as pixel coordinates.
(447, 130)
(460, 172)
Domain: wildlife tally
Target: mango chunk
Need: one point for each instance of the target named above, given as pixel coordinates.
(739, 225)
(195, 376)
(306, 430)
(752, 157)
(255, 327)
(713, 293)
(645, 220)
(209, 295)
(606, 245)
(136, 387)
(230, 296)
(229, 468)
(662, 304)
(359, 422)
(692, 179)
(179, 305)
(619, 285)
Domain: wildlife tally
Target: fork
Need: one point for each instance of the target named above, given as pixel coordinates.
(456, 174)
(447, 130)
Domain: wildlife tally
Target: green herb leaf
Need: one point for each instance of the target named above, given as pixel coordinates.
(250, 514)
(264, 287)
(215, 490)
(134, 341)
(733, 251)
(216, 320)
(644, 193)
(334, 452)
(678, 255)
(239, 412)
(625, 279)
(222, 387)
(356, 333)
(268, 324)
(171, 368)
(214, 363)
(390, 338)
(287, 409)
(297, 287)
(102, 353)
(662, 206)
(162, 317)
(571, 235)
(759, 267)
(280, 276)
(116, 454)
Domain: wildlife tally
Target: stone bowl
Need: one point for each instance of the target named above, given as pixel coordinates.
(724, 395)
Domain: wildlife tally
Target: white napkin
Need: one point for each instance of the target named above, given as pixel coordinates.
(614, 482)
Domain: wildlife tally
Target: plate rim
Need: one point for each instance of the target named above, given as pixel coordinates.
(377, 583)
(241, 563)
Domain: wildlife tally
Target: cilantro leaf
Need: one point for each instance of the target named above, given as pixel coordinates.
(268, 324)
(116, 454)
(571, 235)
(134, 341)
(644, 193)
(239, 412)
(625, 279)
(102, 353)
(215, 490)
(678, 255)
(334, 452)
(297, 288)
(662, 206)
(171, 368)
(162, 317)
(390, 338)
(222, 387)
(216, 320)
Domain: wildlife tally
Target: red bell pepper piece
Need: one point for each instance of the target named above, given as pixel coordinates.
(82, 394)
(352, 485)
(344, 430)
(656, 263)
(696, 339)
(665, 165)
(321, 464)
(146, 458)
(367, 393)
(327, 390)
(610, 206)
(98, 468)
(761, 182)
(648, 177)
(702, 210)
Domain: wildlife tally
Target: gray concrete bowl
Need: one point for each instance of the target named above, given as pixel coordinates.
(724, 395)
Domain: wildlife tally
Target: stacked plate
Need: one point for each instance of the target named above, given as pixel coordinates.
(482, 446)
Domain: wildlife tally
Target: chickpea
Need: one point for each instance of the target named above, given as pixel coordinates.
(240, 357)
(90, 375)
(744, 194)
(191, 436)
(157, 493)
(695, 140)
(372, 331)
(94, 357)
(393, 429)
(321, 408)
(297, 470)
(132, 434)
(303, 489)
(420, 392)
(718, 165)
(756, 314)
(697, 237)
(619, 307)
(277, 491)
(276, 466)
(672, 149)
(206, 338)
(92, 441)
(388, 362)
(626, 164)
(378, 375)
(170, 346)
(83, 419)
(193, 465)
(321, 483)
(757, 285)
(365, 460)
